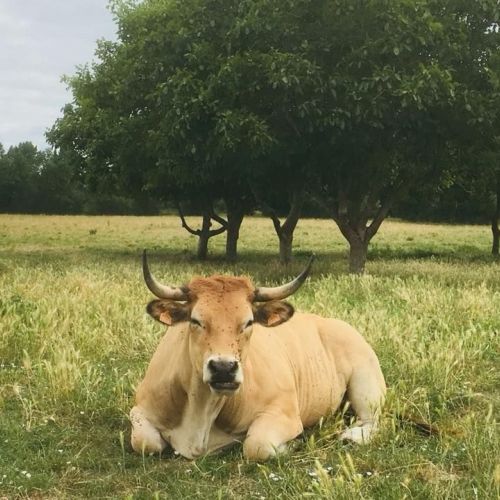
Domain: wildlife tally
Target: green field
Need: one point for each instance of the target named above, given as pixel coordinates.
(75, 339)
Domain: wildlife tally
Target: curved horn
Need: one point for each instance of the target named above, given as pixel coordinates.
(161, 291)
(263, 294)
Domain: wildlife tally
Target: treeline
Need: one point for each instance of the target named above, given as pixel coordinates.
(350, 109)
(44, 182)
(47, 182)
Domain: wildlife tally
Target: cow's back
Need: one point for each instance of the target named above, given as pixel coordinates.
(310, 348)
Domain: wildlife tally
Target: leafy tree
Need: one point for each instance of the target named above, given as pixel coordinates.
(486, 178)
(138, 121)
(19, 170)
(482, 177)
(411, 78)
(272, 72)
(471, 192)
(58, 188)
(186, 103)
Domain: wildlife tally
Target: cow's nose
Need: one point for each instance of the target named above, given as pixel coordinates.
(223, 366)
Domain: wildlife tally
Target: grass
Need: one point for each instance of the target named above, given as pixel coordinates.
(74, 340)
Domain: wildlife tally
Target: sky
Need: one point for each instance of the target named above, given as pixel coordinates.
(40, 41)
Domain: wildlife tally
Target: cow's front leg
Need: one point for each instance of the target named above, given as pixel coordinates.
(219, 439)
(145, 437)
(269, 433)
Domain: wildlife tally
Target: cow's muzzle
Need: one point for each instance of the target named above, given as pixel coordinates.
(223, 375)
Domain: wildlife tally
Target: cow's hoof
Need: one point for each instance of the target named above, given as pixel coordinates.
(261, 451)
(360, 434)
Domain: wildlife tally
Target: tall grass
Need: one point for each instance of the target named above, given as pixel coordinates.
(74, 341)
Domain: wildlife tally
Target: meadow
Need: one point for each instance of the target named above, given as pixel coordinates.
(75, 340)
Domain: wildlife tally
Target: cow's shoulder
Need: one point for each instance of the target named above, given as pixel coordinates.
(162, 391)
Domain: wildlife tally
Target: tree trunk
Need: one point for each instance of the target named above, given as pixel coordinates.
(286, 241)
(494, 222)
(354, 222)
(203, 237)
(235, 215)
(496, 236)
(358, 252)
(285, 231)
(232, 243)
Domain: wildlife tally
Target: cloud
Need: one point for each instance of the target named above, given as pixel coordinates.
(42, 40)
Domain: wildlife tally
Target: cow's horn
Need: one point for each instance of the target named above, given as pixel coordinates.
(263, 294)
(161, 291)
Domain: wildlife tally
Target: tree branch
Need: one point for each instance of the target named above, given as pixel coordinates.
(383, 211)
(185, 225)
(199, 232)
(215, 232)
(212, 215)
(296, 202)
(218, 218)
(342, 222)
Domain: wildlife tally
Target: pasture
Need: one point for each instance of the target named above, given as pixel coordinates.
(75, 339)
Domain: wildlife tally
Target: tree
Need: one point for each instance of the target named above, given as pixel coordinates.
(488, 143)
(19, 171)
(410, 79)
(187, 97)
(59, 190)
(275, 77)
(482, 177)
(471, 191)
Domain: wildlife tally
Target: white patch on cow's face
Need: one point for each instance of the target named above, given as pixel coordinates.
(223, 374)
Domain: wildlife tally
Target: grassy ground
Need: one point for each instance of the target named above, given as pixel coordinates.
(74, 340)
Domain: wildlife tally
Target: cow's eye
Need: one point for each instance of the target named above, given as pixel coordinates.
(249, 323)
(194, 322)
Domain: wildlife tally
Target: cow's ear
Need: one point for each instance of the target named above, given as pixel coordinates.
(272, 313)
(168, 312)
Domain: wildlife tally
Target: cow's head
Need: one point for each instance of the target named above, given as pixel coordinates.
(221, 311)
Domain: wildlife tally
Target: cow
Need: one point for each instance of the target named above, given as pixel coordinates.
(238, 365)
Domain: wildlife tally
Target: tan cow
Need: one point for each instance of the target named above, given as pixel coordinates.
(238, 365)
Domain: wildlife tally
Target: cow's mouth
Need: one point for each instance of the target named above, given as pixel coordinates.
(225, 386)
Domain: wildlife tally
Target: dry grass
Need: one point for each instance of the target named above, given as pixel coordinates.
(74, 339)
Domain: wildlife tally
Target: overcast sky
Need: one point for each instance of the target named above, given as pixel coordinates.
(41, 40)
